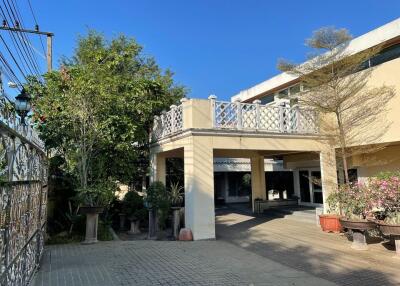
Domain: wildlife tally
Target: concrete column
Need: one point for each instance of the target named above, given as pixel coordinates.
(328, 174)
(258, 188)
(199, 188)
(158, 168)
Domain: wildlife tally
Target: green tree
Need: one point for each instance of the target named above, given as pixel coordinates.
(97, 109)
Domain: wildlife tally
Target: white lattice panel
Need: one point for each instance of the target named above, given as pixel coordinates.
(269, 118)
(168, 123)
(225, 114)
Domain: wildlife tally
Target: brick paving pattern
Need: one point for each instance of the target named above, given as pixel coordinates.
(303, 246)
(163, 263)
(249, 250)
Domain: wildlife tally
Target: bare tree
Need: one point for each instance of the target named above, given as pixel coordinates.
(335, 83)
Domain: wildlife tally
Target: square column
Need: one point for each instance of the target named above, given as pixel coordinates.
(328, 174)
(199, 188)
(258, 188)
(158, 168)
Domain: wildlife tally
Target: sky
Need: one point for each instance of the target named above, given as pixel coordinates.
(213, 46)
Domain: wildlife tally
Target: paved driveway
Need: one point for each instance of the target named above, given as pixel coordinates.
(164, 263)
(303, 246)
(249, 251)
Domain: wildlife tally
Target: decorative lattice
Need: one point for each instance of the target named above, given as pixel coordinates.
(225, 114)
(273, 118)
(168, 122)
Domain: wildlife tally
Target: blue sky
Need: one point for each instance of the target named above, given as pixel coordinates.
(218, 47)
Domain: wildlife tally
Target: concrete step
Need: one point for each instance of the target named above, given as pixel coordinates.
(293, 213)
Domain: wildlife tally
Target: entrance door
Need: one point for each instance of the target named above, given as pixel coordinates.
(304, 186)
(316, 187)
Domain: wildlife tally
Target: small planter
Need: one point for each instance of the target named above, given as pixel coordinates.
(359, 229)
(330, 223)
(392, 230)
(135, 225)
(92, 220)
(176, 221)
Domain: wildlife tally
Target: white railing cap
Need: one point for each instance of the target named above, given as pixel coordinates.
(212, 97)
(183, 99)
(173, 106)
(257, 101)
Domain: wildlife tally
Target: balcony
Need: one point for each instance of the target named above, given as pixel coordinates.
(221, 116)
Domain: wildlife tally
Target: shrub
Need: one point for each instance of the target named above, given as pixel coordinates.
(99, 194)
(132, 205)
(157, 198)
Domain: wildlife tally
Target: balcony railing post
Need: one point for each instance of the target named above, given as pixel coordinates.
(282, 117)
(257, 102)
(294, 118)
(212, 99)
(173, 118)
(239, 117)
(163, 115)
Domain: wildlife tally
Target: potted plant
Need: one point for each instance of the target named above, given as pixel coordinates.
(386, 189)
(330, 222)
(93, 199)
(176, 199)
(156, 201)
(355, 203)
(133, 208)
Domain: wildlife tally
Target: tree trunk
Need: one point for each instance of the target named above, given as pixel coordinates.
(342, 139)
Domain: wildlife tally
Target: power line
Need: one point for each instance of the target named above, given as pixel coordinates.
(18, 19)
(19, 47)
(36, 25)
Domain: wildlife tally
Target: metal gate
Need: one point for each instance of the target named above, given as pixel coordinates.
(23, 197)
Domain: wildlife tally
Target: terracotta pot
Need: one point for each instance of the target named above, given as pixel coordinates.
(389, 229)
(357, 224)
(185, 234)
(330, 223)
(91, 210)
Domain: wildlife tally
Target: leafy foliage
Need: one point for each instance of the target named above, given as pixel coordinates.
(157, 198)
(97, 109)
(99, 194)
(176, 194)
(133, 206)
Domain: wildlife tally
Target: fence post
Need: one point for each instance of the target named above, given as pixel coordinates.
(213, 99)
(257, 102)
(239, 115)
(282, 117)
(294, 119)
(173, 118)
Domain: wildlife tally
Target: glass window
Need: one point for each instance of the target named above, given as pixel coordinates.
(386, 55)
(267, 99)
(283, 93)
(294, 89)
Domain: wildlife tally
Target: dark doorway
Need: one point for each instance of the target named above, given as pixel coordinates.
(280, 181)
(304, 187)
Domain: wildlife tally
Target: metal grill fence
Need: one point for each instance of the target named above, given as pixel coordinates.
(23, 198)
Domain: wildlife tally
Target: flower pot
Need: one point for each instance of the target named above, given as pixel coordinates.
(392, 230)
(92, 221)
(359, 230)
(330, 223)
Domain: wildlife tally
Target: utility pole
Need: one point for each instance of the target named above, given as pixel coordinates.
(49, 35)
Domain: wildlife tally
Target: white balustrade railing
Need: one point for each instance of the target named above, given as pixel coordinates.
(278, 118)
(272, 118)
(169, 122)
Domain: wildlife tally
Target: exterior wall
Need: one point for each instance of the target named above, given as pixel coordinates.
(368, 165)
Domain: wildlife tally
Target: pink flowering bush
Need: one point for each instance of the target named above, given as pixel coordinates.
(354, 201)
(385, 189)
(379, 197)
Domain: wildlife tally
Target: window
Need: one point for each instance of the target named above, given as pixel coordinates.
(267, 99)
(386, 55)
(294, 89)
